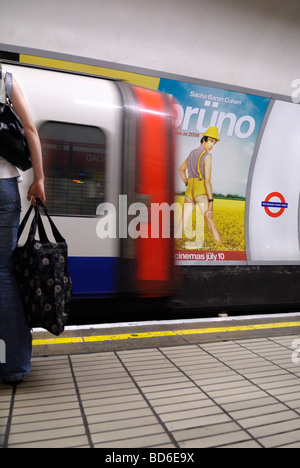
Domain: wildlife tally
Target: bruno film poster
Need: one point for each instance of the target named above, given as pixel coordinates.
(238, 117)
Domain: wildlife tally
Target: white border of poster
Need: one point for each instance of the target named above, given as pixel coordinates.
(274, 192)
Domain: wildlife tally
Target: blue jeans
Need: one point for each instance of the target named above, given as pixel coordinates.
(15, 334)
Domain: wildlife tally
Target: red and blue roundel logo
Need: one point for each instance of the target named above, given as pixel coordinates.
(281, 205)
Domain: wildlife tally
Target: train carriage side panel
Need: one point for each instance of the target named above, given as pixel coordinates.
(79, 120)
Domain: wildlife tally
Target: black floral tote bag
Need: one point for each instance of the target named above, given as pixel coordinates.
(43, 274)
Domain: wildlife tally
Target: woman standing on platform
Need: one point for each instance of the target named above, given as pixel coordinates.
(15, 334)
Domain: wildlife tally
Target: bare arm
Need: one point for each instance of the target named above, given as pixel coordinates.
(182, 171)
(36, 190)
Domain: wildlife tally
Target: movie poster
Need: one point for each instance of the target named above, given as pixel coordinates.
(238, 118)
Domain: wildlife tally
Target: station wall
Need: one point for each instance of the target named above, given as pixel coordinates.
(250, 44)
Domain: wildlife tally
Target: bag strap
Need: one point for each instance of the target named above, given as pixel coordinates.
(56, 234)
(37, 223)
(198, 165)
(24, 222)
(42, 233)
(8, 87)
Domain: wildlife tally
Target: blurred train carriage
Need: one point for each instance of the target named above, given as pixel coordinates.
(101, 139)
(107, 144)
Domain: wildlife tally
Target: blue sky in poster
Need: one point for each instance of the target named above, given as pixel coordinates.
(237, 115)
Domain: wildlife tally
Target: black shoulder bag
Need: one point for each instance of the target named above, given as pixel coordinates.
(13, 145)
(43, 274)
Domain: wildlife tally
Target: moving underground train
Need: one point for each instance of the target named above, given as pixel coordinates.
(111, 155)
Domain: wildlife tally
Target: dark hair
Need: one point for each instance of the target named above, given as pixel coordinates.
(206, 138)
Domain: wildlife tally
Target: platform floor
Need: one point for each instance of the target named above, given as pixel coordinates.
(233, 389)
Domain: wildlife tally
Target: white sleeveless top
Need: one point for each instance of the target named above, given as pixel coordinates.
(7, 170)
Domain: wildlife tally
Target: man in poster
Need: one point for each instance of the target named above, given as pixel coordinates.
(199, 190)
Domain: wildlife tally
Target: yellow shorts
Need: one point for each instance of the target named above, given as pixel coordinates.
(195, 188)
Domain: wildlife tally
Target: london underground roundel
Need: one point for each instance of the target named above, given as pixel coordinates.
(281, 205)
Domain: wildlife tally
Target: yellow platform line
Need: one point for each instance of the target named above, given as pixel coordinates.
(132, 336)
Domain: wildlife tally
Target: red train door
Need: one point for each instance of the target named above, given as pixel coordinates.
(148, 182)
(155, 180)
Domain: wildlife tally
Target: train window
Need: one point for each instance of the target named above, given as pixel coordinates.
(74, 165)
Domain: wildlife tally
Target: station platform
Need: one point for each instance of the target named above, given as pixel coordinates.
(223, 383)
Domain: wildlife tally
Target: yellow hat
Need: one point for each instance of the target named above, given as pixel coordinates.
(212, 132)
